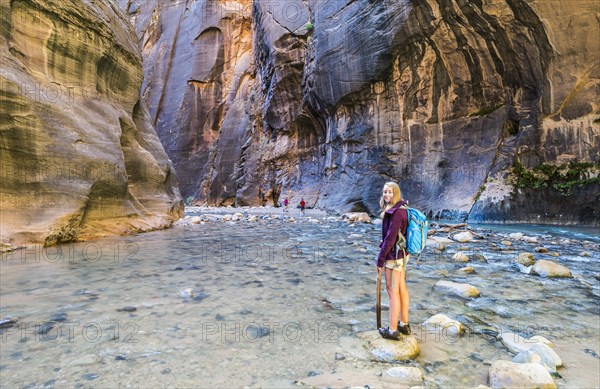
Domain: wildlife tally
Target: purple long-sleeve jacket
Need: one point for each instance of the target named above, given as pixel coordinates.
(395, 219)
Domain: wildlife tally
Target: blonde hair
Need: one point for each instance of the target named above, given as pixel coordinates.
(396, 196)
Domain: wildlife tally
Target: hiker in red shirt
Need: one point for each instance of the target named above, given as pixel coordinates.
(302, 205)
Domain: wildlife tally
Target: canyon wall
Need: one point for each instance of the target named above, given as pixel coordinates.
(79, 154)
(483, 110)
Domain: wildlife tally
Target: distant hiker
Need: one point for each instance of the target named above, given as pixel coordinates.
(395, 220)
(302, 205)
(286, 202)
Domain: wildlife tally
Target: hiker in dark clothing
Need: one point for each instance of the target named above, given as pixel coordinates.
(394, 220)
(286, 202)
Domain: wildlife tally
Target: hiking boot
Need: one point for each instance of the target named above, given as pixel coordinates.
(404, 330)
(388, 334)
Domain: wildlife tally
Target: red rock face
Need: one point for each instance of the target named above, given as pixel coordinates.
(80, 157)
(328, 100)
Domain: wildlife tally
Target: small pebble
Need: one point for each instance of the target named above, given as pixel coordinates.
(127, 309)
(89, 376)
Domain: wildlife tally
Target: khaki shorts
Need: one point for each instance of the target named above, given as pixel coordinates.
(397, 264)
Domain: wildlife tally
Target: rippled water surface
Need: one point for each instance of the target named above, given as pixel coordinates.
(268, 303)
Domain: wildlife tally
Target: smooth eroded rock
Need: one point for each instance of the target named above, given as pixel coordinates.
(461, 290)
(79, 153)
(525, 259)
(406, 375)
(460, 257)
(358, 217)
(386, 350)
(467, 270)
(542, 354)
(463, 237)
(443, 324)
(518, 344)
(551, 269)
(506, 374)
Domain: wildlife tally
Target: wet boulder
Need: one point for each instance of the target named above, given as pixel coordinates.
(387, 350)
(443, 323)
(545, 268)
(467, 270)
(463, 237)
(529, 239)
(525, 259)
(460, 257)
(518, 344)
(479, 258)
(403, 375)
(357, 217)
(541, 354)
(461, 290)
(506, 374)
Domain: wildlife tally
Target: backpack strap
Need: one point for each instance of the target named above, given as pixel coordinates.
(401, 245)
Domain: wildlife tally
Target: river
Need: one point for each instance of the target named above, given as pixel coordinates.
(268, 303)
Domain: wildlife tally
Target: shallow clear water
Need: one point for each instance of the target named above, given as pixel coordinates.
(268, 303)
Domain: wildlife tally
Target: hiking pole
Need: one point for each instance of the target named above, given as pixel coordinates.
(379, 299)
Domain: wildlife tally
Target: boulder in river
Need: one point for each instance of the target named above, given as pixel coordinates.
(438, 239)
(443, 323)
(403, 375)
(460, 257)
(539, 353)
(358, 217)
(518, 344)
(467, 270)
(507, 374)
(463, 237)
(386, 350)
(545, 268)
(479, 258)
(462, 290)
(529, 239)
(525, 259)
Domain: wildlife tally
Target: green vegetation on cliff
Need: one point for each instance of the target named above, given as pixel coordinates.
(562, 178)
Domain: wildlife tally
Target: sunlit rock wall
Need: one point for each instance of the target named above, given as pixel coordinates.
(79, 155)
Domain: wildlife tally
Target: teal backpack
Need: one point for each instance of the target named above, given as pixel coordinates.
(416, 233)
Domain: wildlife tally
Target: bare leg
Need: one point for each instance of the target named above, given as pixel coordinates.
(404, 296)
(392, 285)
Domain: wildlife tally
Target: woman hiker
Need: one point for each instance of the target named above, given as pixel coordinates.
(395, 219)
